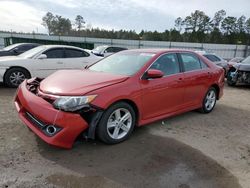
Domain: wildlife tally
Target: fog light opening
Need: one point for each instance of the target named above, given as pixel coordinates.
(51, 130)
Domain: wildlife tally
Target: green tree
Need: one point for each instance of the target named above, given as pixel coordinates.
(48, 22)
(179, 24)
(229, 25)
(241, 24)
(56, 25)
(79, 22)
(197, 21)
(217, 19)
(248, 26)
(63, 26)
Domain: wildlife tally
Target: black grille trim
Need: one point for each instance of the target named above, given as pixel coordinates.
(35, 121)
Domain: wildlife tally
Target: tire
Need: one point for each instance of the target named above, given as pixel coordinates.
(209, 101)
(229, 79)
(111, 130)
(15, 76)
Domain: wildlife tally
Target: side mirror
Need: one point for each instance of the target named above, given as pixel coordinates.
(42, 56)
(153, 73)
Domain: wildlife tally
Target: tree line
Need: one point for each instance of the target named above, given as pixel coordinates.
(196, 27)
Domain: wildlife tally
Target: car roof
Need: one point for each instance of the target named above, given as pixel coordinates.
(107, 46)
(24, 43)
(61, 46)
(159, 50)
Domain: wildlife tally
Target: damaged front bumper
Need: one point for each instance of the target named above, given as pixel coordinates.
(54, 126)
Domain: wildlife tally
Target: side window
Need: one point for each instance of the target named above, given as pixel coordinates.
(23, 48)
(190, 62)
(55, 53)
(203, 65)
(117, 49)
(168, 64)
(73, 53)
(109, 50)
(212, 58)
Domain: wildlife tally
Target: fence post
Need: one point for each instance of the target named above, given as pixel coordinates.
(246, 51)
(236, 49)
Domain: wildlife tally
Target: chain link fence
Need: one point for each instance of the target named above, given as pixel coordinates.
(226, 51)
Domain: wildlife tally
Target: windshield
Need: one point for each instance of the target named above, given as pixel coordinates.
(10, 47)
(123, 63)
(99, 49)
(247, 60)
(31, 53)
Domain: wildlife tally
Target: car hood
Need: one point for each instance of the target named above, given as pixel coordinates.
(78, 82)
(10, 58)
(4, 53)
(220, 62)
(242, 66)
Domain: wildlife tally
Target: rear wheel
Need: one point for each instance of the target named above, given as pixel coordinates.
(15, 76)
(209, 101)
(117, 123)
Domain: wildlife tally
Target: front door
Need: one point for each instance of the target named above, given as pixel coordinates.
(163, 95)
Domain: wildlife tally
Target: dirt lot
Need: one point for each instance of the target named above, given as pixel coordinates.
(188, 151)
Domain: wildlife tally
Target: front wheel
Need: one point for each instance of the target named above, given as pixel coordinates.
(15, 76)
(209, 101)
(117, 123)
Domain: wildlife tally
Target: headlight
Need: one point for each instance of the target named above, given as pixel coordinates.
(72, 103)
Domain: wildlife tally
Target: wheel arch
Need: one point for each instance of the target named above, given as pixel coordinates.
(12, 67)
(217, 88)
(132, 104)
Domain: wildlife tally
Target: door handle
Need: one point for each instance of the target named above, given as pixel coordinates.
(209, 74)
(179, 79)
(59, 62)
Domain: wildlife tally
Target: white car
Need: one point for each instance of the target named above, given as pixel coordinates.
(105, 51)
(43, 61)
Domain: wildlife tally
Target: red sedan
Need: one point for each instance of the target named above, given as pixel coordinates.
(108, 99)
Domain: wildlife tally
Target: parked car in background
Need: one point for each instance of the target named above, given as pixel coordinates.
(237, 59)
(105, 51)
(17, 49)
(215, 59)
(43, 61)
(239, 73)
(108, 99)
(234, 61)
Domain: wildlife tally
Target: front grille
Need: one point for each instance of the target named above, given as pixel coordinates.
(32, 84)
(35, 121)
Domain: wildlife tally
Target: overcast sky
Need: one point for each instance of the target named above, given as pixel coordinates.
(26, 15)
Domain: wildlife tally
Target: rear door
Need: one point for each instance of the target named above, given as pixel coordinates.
(163, 95)
(196, 78)
(78, 59)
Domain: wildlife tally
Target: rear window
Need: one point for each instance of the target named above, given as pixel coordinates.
(74, 53)
(191, 62)
(212, 58)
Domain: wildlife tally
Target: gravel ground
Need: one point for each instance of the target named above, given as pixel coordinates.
(188, 151)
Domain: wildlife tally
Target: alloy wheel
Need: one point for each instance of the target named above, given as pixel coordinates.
(210, 100)
(119, 123)
(17, 78)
